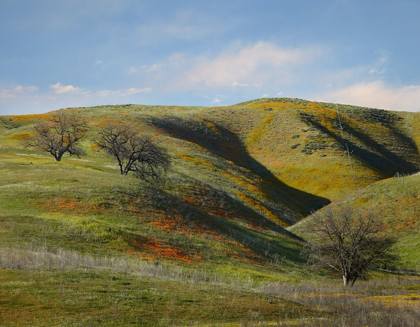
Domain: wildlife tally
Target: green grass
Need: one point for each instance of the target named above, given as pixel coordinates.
(71, 296)
(396, 205)
(95, 298)
(236, 182)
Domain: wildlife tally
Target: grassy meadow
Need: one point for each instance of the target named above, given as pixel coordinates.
(218, 242)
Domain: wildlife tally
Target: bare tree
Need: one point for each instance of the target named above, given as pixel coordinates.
(348, 243)
(133, 152)
(59, 135)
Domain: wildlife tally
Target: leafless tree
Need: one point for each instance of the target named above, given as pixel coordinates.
(348, 243)
(133, 152)
(59, 135)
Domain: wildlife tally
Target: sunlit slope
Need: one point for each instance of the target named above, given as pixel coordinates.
(281, 157)
(302, 144)
(197, 216)
(396, 203)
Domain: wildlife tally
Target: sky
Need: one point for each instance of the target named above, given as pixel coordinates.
(72, 53)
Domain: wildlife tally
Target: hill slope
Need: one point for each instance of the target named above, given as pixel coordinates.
(81, 244)
(396, 203)
(241, 173)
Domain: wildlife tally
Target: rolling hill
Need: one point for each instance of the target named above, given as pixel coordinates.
(259, 165)
(241, 176)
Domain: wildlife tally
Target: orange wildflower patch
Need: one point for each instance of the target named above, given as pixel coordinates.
(165, 251)
(71, 206)
(254, 226)
(177, 225)
(168, 224)
(195, 201)
(23, 119)
(20, 136)
(160, 249)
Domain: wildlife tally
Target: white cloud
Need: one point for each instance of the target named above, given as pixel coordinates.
(380, 64)
(134, 90)
(105, 93)
(265, 95)
(123, 93)
(12, 93)
(132, 70)
(239, 84)
(279, 93)
(59, 88)
(216, 100)
(377, 95)
(384, 57)
(174, 62)
(61, 96)
(98, 62)
(154, 67)
(5, 94)
(377, 71)
(23, 89)
(262, 61)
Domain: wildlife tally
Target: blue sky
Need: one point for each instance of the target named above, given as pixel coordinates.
(58, 54)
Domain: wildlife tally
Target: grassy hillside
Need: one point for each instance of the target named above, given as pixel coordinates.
(208, 210)
(284, 157)
(241, 172)
(240, 175)
(303, 145)
(396, 203)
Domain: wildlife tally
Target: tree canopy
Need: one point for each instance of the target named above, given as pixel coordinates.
(348, 243)
(59, 135)
(133, 151)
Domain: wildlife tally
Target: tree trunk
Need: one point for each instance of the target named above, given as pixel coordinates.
(345, 280)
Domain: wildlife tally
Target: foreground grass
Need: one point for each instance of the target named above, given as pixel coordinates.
(40, 288)
(62, 288)
(394, 301)
(105, 298)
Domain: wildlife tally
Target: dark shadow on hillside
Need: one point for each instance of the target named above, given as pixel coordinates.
(386, 162)
(227, 145)
(192, 215)
(410, 149)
